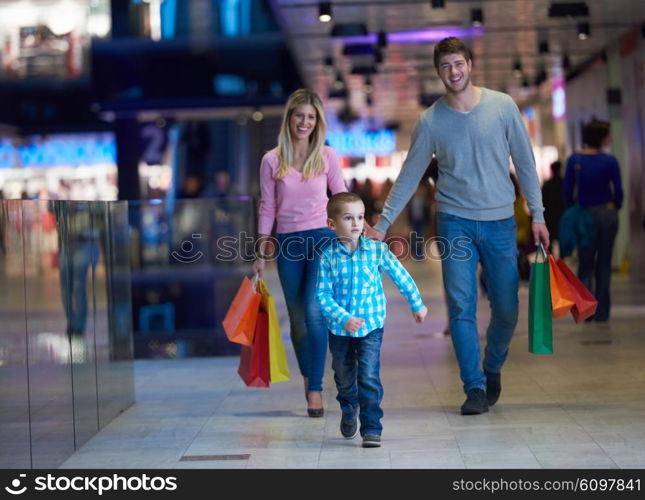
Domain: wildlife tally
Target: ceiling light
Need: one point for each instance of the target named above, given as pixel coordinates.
(477, 17)
(438, 4)
(583, 30)
(324, 12)
(369, 88)
(566, 62)
(339, 83)
(517, 68)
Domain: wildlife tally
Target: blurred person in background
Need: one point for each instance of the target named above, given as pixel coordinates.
(595, 176)
(553, 199)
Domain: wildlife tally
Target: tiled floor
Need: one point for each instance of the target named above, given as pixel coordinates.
(583, 407)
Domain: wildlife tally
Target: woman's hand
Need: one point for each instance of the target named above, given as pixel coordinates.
(258, 266)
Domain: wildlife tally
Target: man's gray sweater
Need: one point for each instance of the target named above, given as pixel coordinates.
(473, 151)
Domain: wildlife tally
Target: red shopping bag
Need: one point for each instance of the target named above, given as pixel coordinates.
(254, 361)
(585, 303)
(239, 322)
(562, 299)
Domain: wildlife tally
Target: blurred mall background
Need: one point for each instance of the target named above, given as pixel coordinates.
(131, 133)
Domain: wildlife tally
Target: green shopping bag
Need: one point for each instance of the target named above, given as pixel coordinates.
(540, 312)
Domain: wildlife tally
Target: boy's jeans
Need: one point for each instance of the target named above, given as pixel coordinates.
(494, 244)
(298, 263)
(356, 363)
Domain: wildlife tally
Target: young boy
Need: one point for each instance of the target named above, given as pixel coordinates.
(350, 294)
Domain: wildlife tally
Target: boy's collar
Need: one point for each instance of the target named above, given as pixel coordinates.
(361, 244)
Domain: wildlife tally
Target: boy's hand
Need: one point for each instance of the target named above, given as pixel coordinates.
(420, 315)
(354, 324)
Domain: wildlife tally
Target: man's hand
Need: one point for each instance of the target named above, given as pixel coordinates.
(420, 315)
(372, 233)
(540, 234)
(353, 324)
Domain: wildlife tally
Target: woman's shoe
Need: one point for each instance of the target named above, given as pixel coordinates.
(315, 412)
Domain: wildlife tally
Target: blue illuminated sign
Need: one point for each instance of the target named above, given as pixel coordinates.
(361, 143)
(59, 150)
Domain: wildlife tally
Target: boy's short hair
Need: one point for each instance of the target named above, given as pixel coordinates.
(451, 45)
(336, 202)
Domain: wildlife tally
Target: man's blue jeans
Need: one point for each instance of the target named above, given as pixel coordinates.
(298, 263)
(494, 244)
(357, 362)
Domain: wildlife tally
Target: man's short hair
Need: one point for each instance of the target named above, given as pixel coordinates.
(336, 203)
(595, 132)
(451, 45)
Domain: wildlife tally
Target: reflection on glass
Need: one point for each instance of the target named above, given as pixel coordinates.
(189, 257)
(66, 335)
(14, 402)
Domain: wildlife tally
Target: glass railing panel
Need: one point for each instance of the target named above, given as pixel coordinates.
(46, 230)
(14, 391)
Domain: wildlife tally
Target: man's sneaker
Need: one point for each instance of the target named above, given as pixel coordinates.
(493, 387)
(371, 441)
(349, 424)
(475, 403)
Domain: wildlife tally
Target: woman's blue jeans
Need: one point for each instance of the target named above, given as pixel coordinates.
(594, 267)
(494, 244)
(356, 363)
(298, 262)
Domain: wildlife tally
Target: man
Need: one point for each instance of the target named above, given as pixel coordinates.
(472, 131)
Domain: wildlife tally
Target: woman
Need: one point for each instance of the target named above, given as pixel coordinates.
(592, 179)
(294, 178)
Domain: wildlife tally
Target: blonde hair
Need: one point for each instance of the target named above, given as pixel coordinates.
(314, 164)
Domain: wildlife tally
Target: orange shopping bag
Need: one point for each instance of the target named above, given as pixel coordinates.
(239, 322)
(585, 303)
(562, 299)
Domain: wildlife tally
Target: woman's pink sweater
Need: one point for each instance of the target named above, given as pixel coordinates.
(297, 204)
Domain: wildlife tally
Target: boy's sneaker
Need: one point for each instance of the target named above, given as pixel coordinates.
(349, 424)
(371, 441)
(476, 402)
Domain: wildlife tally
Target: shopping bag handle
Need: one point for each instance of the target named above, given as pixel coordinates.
(254, 281)
(544, 254)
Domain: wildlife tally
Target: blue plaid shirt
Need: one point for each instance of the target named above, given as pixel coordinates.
(350, 285)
